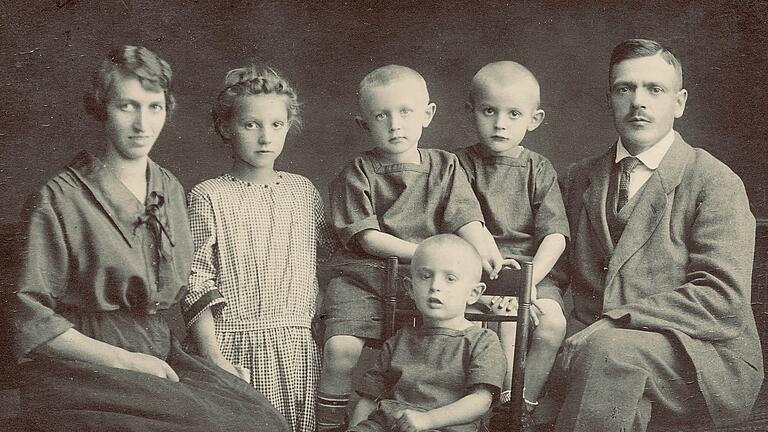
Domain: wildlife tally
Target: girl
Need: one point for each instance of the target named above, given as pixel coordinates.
(104, 258)
(253, 284)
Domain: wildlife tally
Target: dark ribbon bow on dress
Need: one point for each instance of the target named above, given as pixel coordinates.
(151, 218)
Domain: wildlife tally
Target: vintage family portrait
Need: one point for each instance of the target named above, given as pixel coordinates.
(326, 216)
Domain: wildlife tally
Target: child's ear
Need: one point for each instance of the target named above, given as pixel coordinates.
(475, 293)
(536, 119)
(469, 107)
(408, 288)
(360, 122)
(224, 130)
(429, 114)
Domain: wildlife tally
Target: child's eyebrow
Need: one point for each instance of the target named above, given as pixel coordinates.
(136, 101)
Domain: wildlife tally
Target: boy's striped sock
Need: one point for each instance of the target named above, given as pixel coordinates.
(331, 411)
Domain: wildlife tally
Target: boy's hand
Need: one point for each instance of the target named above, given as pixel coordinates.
(412, 421)
(508, 306)
(493, 263)
(511, 262)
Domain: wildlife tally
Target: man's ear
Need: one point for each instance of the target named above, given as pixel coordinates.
(429, 114)
(475, 293)
(680, 100)
(469, 107)
(360, 122)
(536, 119)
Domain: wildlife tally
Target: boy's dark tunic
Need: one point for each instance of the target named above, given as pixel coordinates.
(521, 203)
(430, 367)
(411, 202)
(97, 260)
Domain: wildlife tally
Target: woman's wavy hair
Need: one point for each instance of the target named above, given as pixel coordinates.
(128, 61)
(248, 81)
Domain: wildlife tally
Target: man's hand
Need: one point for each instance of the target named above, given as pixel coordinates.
(412, 421)
(574, 343)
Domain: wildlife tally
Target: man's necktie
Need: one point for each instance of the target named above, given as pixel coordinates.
(627, 165)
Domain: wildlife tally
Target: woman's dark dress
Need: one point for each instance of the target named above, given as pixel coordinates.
(96, 259)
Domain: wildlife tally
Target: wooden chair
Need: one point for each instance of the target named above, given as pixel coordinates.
(511, 282)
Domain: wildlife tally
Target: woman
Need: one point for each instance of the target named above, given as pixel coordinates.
(107, 252)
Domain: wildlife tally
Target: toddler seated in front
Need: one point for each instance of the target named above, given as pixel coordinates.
(445, 374)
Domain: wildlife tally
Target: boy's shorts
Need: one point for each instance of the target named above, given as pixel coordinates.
(352, 300)
(547, 288)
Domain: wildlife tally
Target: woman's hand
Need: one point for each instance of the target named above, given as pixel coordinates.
(73, 345)
(147, 364)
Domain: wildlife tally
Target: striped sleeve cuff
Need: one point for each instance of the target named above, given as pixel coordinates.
(211, 299)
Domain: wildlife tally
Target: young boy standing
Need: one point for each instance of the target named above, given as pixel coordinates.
(384, 203)
(522, 206)
(442, 375)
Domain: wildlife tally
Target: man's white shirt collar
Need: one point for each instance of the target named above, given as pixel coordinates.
(652, 157)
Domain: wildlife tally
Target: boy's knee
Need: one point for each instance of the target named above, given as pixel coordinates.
(552, 322)
(343, 351)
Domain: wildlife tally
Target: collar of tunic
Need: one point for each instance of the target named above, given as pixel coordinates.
(116, 200)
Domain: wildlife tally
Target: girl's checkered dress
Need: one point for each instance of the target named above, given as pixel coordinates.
(254, 266)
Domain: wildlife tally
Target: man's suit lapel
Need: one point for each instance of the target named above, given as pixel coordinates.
(650, 208)
(595, 196)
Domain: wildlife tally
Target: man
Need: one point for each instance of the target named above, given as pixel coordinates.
(660, 263)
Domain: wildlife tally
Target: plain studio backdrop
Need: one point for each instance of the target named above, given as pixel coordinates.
(49, 48)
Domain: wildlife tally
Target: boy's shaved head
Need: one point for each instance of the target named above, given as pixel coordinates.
(504, 73)
(452, 245)
(387, 74)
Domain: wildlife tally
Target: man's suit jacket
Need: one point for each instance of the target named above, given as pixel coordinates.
(683, 266)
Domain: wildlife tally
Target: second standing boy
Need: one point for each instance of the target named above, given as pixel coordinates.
(384, 203)
(522, 206)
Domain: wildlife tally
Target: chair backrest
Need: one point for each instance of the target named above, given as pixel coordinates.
(511, 282)
(517, 283)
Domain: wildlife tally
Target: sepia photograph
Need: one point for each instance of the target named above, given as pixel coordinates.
(325, 216)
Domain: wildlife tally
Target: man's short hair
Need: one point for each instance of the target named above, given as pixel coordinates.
(636, 48)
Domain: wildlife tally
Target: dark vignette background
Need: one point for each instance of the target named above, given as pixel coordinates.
(48, 48)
